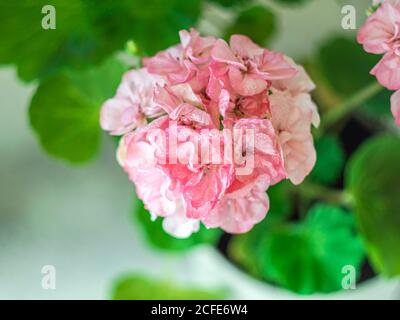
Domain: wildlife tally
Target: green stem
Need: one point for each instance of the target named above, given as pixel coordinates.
(344, 109)
(315, 191)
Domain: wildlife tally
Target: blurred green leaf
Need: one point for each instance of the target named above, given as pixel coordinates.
(280, 199)
(257, 22)
(157, 22)
(346, 65)
(330, 160)
(138, 287)
(379, 106)
(305, 257)
(157, 237)
(64, 110)
(346, 68)
(87, 31)
(372, 177)
(292, 2)
(229, 3)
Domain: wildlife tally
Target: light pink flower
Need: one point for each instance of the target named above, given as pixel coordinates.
(200, 173)
(180, 226)
(184, 106)
(292, 122)
(257, 153)
(186, 62)
(229, 121)
(246, 66)
(387, 71)
(238, 212)
(380, 33)
(300, 87)
(137, 154)
(132, 103)
(395, 106)
(138, 158)
(392, 2)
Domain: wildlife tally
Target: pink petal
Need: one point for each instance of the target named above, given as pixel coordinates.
(395, 106)
(238, 214)
(246, 84)
(378, 34)
(119, 116)
(387, 71)
(273, 66)
(222, 53)
(244, 47)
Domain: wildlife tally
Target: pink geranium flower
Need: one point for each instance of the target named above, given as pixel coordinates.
(387, 71)
(227, 122)
(381, 35)
(186, 62)
(132, 103)
(246, 66)
(239, 211)
(292, 124)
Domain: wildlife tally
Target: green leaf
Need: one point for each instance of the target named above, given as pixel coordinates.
(280, 199)
(305, 257)
(292, 2)
(87, 31)
(138, 287)
(257, 22)
(64, 111)
(330, 160)
(346, 65)
(372, 177)
(229, 3)
(379, 106)
(157, 237)
(157, 23)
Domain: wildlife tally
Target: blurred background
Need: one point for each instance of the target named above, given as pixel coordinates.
(78, 218)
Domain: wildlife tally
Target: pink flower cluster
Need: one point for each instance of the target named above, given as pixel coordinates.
(381, 35)
(194, 94)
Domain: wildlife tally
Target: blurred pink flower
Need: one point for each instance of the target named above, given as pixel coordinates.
(381, 35)
(392, 2)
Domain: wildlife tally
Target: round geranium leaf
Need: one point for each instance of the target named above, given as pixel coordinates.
(337, 56)
(229, 3)
(372, 178)
(330, 160)
(139, 287)
(64, 111)
(41, 36)
(291, 2)
(319, 247)
(256, 22)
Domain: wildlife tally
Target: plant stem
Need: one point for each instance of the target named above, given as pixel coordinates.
(311, 190)
(344, 109)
